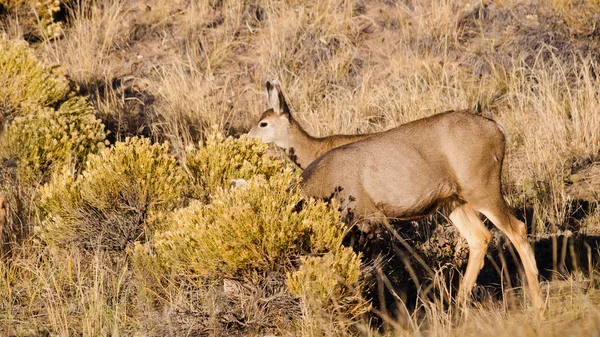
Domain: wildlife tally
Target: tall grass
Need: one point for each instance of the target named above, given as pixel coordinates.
(97, 30)
(64, 293)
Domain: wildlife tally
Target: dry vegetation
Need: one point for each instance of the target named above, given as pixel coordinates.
(116, 215)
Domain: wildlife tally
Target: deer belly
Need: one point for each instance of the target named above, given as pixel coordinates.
(413, 200)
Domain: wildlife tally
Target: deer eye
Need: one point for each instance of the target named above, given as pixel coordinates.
(263, 124)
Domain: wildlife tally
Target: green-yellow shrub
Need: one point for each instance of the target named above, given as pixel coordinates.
(25, 81)
(256, 228)
(44, 137)
(221, 159)
(329, 287)
(43, 129)
(37, 13)
(115, 201)
(45, 10)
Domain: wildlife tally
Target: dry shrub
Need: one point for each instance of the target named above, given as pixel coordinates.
(329, 287)
(429, 27)
(43, 130)
(256, 228)
(36, 15)
(25, 81)
(219, 160)
(46, 128)
(191, 89)
(45, 10)
(115, 199)
(246, 238)
(44, 138)
(310, 37)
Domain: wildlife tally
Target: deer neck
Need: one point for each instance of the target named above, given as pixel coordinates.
(303, 149)
(300, 147)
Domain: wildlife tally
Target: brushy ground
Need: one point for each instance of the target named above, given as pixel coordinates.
(118, 217)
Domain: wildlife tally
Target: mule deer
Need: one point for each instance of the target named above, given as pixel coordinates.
(452, 158)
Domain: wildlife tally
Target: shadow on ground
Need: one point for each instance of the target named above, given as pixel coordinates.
(426, 258)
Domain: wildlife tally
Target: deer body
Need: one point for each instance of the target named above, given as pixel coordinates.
(407, 171)
(452, 158)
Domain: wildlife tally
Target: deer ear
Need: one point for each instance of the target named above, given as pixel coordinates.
(275, 98)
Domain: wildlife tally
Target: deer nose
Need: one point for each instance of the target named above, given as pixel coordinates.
(253, 133)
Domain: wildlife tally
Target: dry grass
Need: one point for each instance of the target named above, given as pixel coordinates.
(572, 311)
(173, 70)
(97, 30)
(63, 293)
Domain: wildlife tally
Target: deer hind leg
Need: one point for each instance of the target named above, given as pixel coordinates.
(470, 226)
(516, 231)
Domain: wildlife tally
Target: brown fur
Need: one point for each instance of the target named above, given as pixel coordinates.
(405, 171)
(452, 158)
